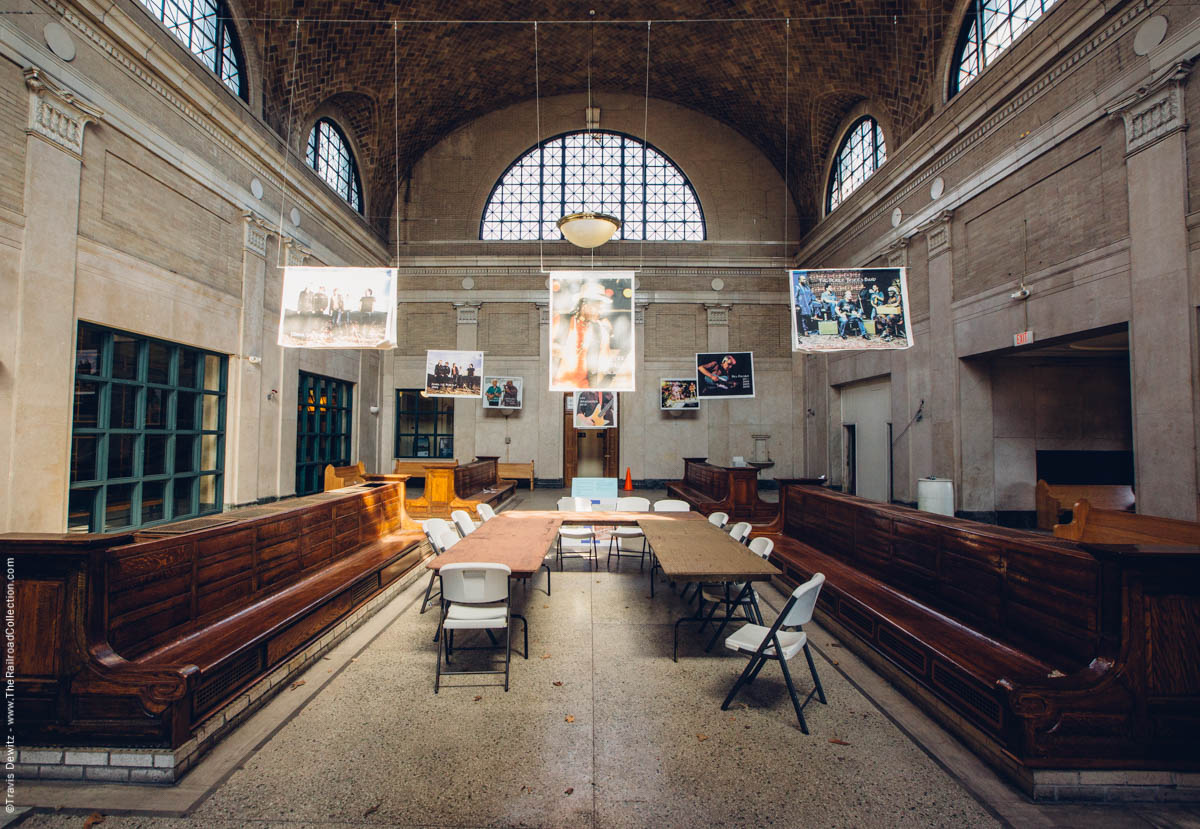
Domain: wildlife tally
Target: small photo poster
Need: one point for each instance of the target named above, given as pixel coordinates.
(502, 392)
(591, 330)
(722, 375)
(595, 410)
(338, 308)
(678, 394)
(453, 373)
(849, 310)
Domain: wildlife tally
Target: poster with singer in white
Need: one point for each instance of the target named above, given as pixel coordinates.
(591, 331)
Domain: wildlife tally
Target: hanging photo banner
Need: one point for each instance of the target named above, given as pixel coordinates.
(678, 395)
(721, 375)
(595, 410)
(849, 310)
(502, 392)
(338, 308)
(453, 373)
(591, 331)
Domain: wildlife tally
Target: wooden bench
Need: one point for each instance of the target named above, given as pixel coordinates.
(339, 477)
(1055, 499)
(1106, 526)
(139, 642)
(415, 467)
(730, 489)
(462, 487)
(517, 471)
(1038, 652)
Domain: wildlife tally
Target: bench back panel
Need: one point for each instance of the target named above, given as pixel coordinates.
(162, 589)
(470, 478)
(1034, 593)
(707, 478)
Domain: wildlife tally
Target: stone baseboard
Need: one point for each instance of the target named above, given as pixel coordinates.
(89, 764)
(1119, 786)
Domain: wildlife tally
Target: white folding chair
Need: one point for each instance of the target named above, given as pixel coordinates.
(576, 532)
(672, 505)
(630, 504)
(486, 513)
(477, 598)
(732, 596)
(740, 531)
(763, 643)
(719, 519)
(462, 520)
(436, 528)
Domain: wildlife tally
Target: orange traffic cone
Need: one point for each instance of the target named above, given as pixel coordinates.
(628, 480)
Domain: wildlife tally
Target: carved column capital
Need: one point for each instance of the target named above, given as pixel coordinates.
(897, 253)
(468, 312)
(257, 230)
(1155, 110)
(296, 254)
(56, 114)
(543, 313)
(718, 314)
(937, 232)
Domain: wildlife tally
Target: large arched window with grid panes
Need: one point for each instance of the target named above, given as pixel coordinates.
(989, 28)
(329, 154)
(597, 170)
(206, 28)
(860, 154)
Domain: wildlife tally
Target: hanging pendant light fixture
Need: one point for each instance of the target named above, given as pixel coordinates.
(589, 229)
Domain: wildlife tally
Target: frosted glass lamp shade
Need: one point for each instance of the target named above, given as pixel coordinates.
(588, 230)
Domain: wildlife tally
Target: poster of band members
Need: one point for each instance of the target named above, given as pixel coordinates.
(678, 394)
(591, 330)
(338, 308)
(722, 375)
(849, 310)
(595, 410)
(453, 373)
(502, 392)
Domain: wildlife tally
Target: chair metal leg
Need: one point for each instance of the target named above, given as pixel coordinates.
(742, 680)
(525, 628)
(787, 677)
(428, 590)
(754, 674)
(507, 651)
(816, 679)
(547, 566)
(437, 680)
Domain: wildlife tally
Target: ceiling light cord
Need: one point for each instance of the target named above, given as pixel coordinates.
(287, 149)
(645, 150)
(396, 129)
(787, 100)
(537, 101)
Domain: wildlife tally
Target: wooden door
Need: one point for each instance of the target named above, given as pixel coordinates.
(612, 443)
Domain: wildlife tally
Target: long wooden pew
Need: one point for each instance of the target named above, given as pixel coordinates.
(1107, 526)
(464, 487)
(143, 639)
(1052, 500)
(339, 477)
(1040, 653)
(709, 488)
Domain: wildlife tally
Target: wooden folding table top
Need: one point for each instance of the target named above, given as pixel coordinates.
(703, 552)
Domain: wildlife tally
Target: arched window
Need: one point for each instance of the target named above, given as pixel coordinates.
(206, 28)
(329, 154)
(861, 154)
(602, 171)
(989, 28)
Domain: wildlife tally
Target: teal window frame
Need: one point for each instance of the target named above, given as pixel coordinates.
(431, 422)
(324, 428)
(150, 398)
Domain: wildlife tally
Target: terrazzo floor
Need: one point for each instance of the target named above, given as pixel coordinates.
(600, 729)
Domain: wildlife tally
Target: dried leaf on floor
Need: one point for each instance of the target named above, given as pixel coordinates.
(570, 718)
(701, 737)
(545, 656)
(327, 657)
(373, 809)
(557, 684)
(833, 645)
(838, 742)
(92, 820)
(570, 790)
(478, 697)
(354, 659)
(297, 684)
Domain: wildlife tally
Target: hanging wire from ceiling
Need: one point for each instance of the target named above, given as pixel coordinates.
(537, 97)
(645, 146)
(787, 123)
(396, 129)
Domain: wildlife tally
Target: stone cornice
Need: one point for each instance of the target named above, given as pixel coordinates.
(1154, 110)
(57, 114)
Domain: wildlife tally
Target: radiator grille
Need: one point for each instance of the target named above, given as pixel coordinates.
(220, 685)
(977, 700)
(363, 590)
(856, 619)
(901, 651)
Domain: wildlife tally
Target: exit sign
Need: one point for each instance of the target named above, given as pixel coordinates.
(1023, 338)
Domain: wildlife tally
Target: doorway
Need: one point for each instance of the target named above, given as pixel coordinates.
(851, 473)
(866, 412)
(589, 453)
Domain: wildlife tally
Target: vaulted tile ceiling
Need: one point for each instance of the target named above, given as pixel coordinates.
(730, 67)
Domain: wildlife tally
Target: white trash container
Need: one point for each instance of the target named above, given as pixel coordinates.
(936, 495)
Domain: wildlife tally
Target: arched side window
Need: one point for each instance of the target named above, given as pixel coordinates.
(861, 153)
(206, 28)
(596, 170)
(329, 154)
(989, 28)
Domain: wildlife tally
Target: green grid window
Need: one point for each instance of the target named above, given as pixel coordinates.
(424, 425)
(323, 420)
(148, 431)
